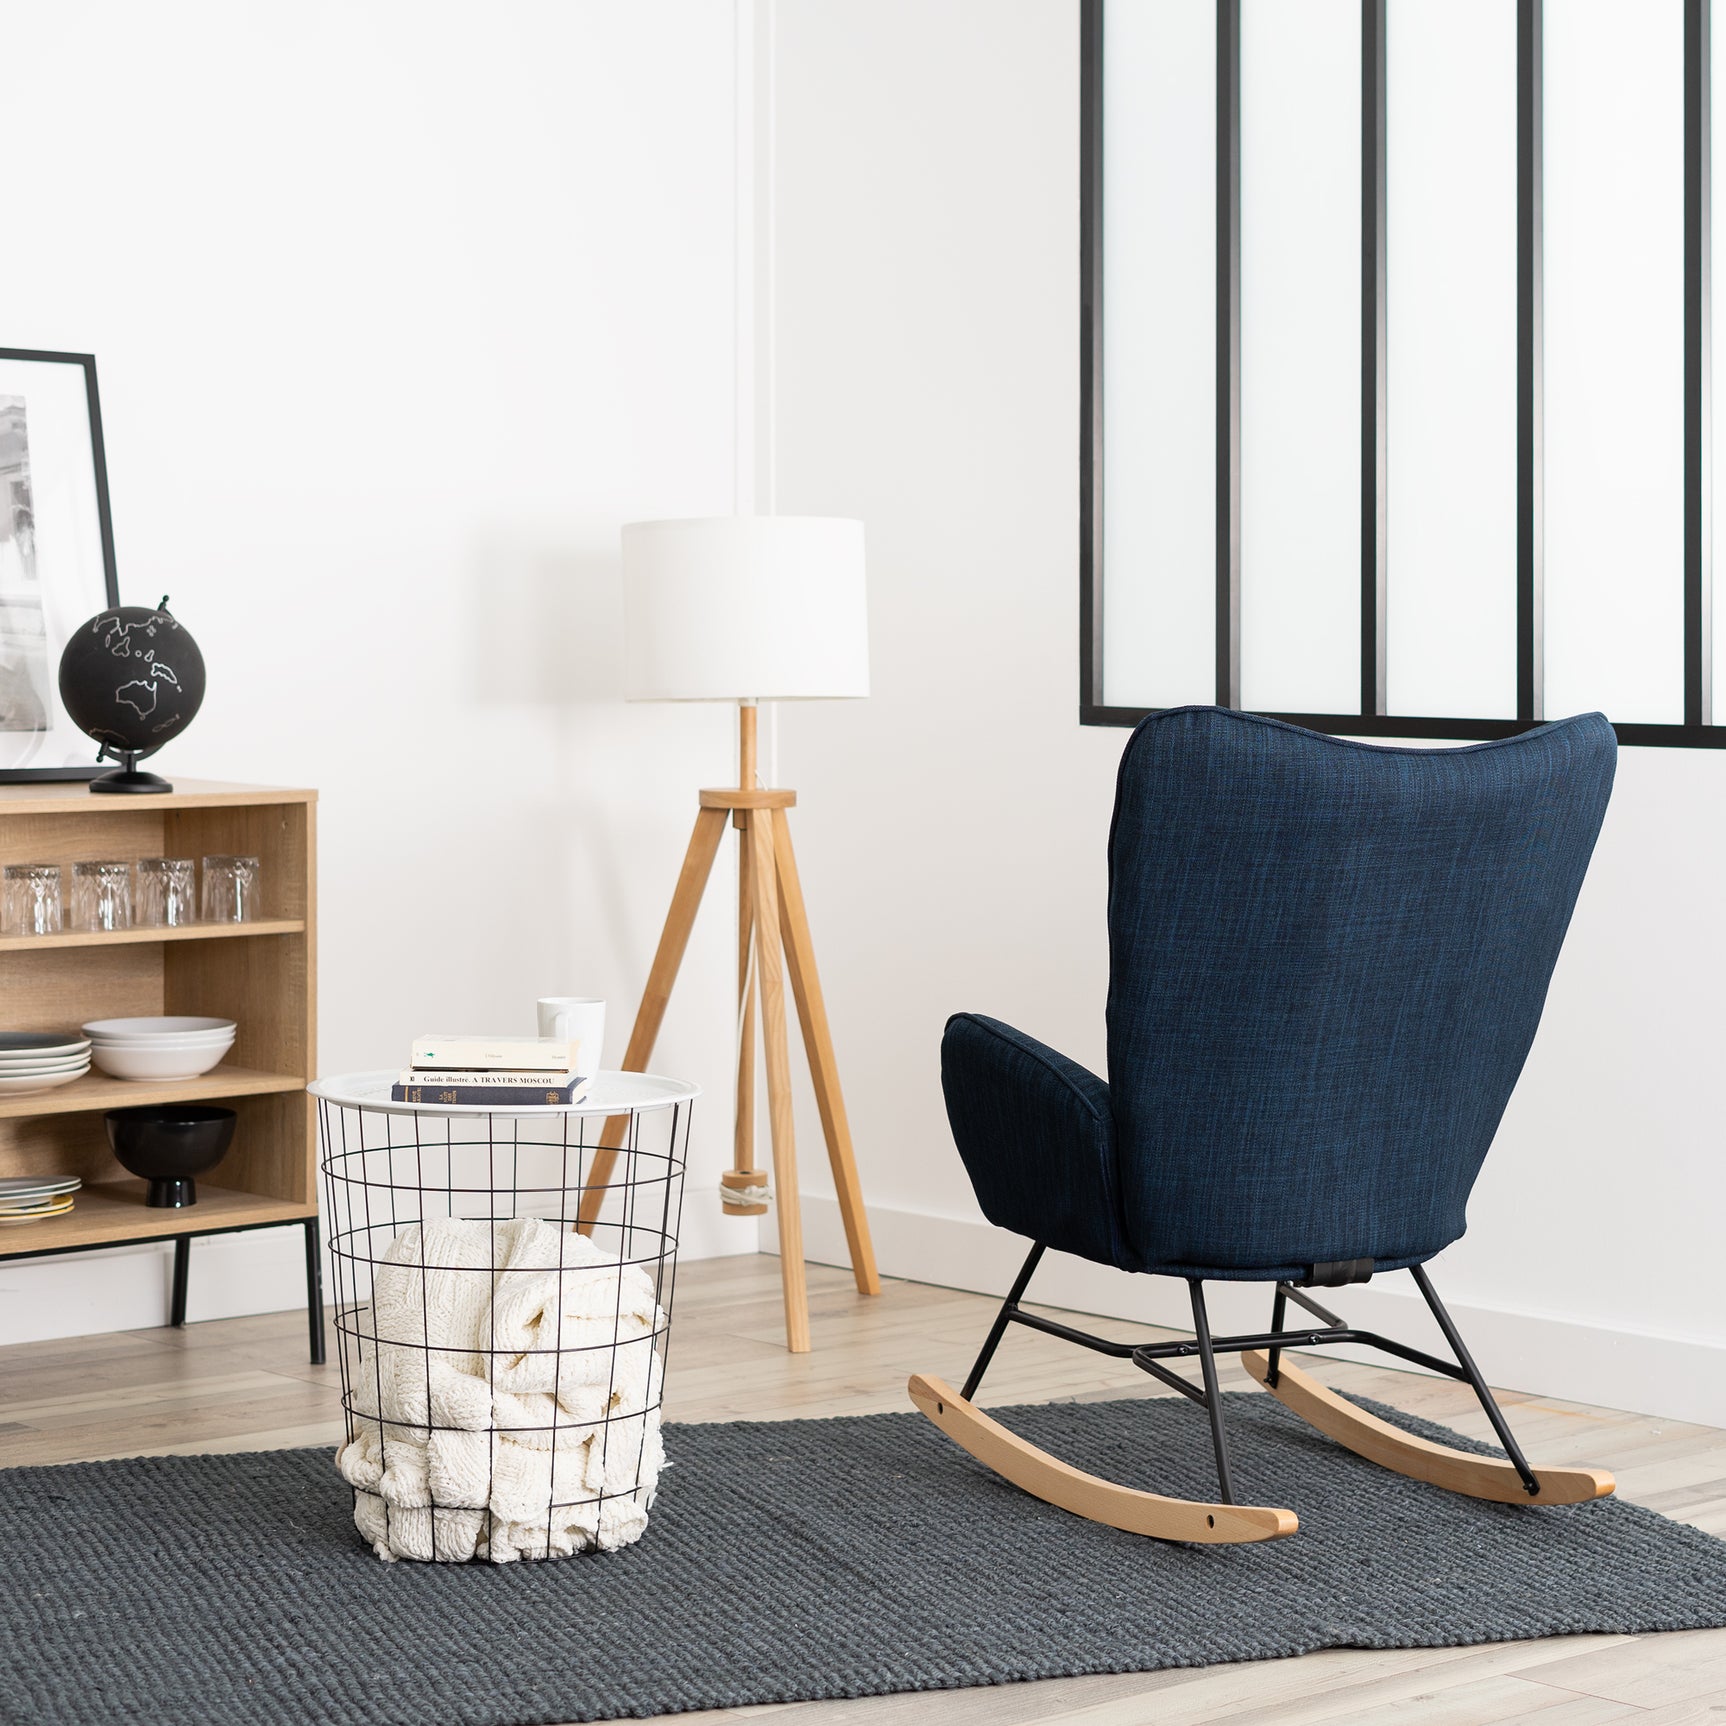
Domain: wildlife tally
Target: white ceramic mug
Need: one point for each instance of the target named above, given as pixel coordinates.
(581, 1019)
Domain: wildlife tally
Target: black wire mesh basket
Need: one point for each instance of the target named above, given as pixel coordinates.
(503, 1295)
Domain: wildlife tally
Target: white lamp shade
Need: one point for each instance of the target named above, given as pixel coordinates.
(741, 607)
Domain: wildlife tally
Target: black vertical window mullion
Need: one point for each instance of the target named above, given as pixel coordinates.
(1228, 607)
(1530, 289)
(1092, 693)
(1698, 366)
(1374, 418)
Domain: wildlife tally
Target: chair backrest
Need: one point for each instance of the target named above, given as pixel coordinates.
(1327, 963)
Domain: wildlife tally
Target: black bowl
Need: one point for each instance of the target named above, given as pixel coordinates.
(167, 1144)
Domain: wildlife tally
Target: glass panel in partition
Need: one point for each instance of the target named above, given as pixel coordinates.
(1614, 358)
(1159, 353)
(1450, 145)
(1300, 355)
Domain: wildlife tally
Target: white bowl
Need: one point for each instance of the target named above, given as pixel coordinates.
(171, 1025)
(181, 1060)
(157, 1064)
(204, 1040)
(188, 1058)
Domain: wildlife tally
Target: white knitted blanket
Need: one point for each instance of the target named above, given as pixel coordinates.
(506, 1395)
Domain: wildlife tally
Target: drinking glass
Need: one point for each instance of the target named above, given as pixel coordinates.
(102, 895)
(31, 899)
(230, 889)
(167, 891)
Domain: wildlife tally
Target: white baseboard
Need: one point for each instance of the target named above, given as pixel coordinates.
(1672, 1377)
(127, 1288)
(706, 1232)
(80, 1294)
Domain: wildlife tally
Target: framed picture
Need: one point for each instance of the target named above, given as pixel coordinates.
(56, 553)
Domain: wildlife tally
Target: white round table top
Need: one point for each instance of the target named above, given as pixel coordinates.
(609, 1094)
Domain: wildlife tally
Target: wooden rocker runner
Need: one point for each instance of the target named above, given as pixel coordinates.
(1318, 1008)
(773, 939)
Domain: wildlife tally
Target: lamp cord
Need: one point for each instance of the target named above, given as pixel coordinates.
(749, 989)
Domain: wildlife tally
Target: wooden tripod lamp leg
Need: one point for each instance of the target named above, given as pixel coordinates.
(741, 1184)
(823, 1066)
(673, 939)
(768, 964)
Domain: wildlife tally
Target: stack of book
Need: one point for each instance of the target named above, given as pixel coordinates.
(492, 1072)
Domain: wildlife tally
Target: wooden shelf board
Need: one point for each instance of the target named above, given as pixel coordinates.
(63, 797)
(115, 1211)
(99, 1091)
(132, 937)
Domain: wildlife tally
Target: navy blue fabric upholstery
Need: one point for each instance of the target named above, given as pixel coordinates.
(1327, 963)
(1037, 1137)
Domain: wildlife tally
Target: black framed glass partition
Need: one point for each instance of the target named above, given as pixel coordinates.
(1396, 363)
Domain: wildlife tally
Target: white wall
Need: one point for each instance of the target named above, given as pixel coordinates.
(399, 310)
(953, 827)
(397, 317)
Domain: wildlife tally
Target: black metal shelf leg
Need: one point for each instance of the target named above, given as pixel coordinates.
(315, 1290)
(182, 1270)
(1213, 1396)
(1002, 1319)
(1466, 1361)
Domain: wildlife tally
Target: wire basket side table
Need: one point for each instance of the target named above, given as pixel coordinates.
(502, 1361)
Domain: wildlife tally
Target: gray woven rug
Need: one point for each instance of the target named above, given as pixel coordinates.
(786, 1560)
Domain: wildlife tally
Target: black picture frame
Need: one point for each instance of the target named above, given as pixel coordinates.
(105, 526)
(1699, 729)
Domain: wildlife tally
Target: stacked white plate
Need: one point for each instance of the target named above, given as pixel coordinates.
(158, 1049)
(30, 1198)
(39, 1060)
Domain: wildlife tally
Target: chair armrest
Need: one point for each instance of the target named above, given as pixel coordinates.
(1037, 1136)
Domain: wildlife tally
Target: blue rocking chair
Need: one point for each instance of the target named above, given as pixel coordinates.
(1327, 964)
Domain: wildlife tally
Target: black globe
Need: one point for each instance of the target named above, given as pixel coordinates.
(132, 678)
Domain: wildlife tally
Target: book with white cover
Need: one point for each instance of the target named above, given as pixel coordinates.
(511, 1054)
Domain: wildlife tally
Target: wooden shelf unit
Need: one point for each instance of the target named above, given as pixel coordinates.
(262, 975)
(97, 1090)
(115, 1212)
(138, 937)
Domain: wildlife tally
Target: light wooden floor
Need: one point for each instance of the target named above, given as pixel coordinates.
(243, 1384)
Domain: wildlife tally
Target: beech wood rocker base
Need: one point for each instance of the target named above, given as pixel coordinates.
(1487, 1477)
(1067, 1488)
(1055, 1482)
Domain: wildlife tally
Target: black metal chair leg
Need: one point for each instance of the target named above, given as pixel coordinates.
(1002, 1319)
(1279, 1307)
(315, 1290)
(182, 1269)
(1466, 1361)
(1213, 1396)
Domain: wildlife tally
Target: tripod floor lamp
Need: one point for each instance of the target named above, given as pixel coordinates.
(748, 608)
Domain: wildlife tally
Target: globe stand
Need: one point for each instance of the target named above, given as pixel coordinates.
(132, 679)
(129, 777)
